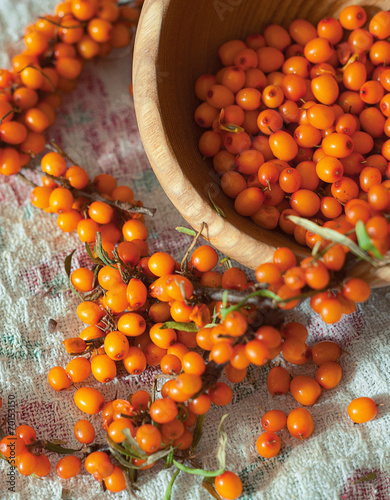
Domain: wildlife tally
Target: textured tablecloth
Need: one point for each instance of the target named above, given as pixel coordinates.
(96, 125)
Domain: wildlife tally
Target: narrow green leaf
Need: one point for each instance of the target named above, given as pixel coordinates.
(185, 230)
(258, 293)
(198, 472)
(316, 248)
(332, 235)
(369, 477)
(168, 491)
(218, 209)
(198, 432)
(94, 259)
(101, 253)
(364, 239)
(68, 269)
(187, 327)
(59, 449)
(169, 460)
(224, 299)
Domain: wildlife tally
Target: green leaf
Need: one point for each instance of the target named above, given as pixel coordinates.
(364, 240)
(59, 449)
(218, 209)
(332, 235)
(169, 459)
(258, 293)
(185, 230)
(369, 477)
(198, 432)
(101, 253)
(168, 491)
(187, 327)
(68, 268)
(89, 252)
(198, 472)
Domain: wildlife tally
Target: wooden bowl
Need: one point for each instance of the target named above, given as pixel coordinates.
(176, 42)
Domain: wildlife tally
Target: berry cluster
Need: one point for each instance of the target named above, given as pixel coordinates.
(193, 321)
(300, 125)
(56, 47)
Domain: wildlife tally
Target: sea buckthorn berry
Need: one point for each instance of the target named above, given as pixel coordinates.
(116, 481)
(134, 229)
(228, 485)
(344, 190)
(295, 351)
(135, 361)
(283, 145)
(68, 466)
(116, 298)
(84, 431)
(163, 410)
(331, 29)
(362, 410)
(325, 89)
(82, 279)
(318, 50)
(302, 31)
(103, 368)
(136, 293)
(269, 273)
(329, 169)
(268, 444)
(204, 258)
(77, 177)
(270, 59)
(27, 433)
(149, 438)
(26, 463)
(42, 466)
(89, 400)
(40, 196)
(274, 420)
(328, 375)
(300, 423)
(12, 446)
(59, 379)
(352, 17)
(356, 289)
(305, 389)
(116, 345)
(305, 202)
(100, 212)
(131, 324)
(161, 264)
(380, 25)
(193, 363)
(269, 335)
(78, 369)
(257, 352)
(163, 338)
(117, 426)
(171, 364)
(325, 351)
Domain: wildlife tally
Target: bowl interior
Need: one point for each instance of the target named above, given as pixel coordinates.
(190, 34)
